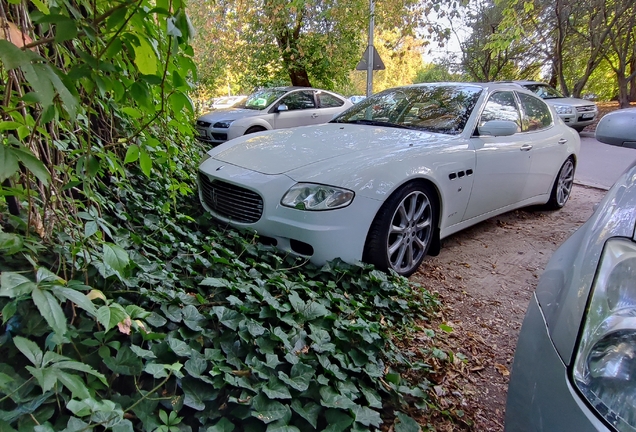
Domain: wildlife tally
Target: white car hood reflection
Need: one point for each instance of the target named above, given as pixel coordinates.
(278, 152)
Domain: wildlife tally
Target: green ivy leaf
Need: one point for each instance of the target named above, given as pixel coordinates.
(372, 397)
(228, 317)
(223, 425)
(267, 410)
(50, 309)
(301, 376)
(193, 319)
(337, 420)
(125, 362)
(197, 393)
(179, 347)
(330, 398)
(275, 389)
(143, 353)
(309, 412)
(405, 423)
(281, 426)
(367, 416)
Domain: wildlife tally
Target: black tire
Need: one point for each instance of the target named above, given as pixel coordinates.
(403, 230)
(578, 128)
(562, 187)
(254, 129)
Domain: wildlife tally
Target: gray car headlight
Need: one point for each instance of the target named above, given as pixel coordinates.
(605, 365)
(223, 124)
(310, 196)
(563, 109)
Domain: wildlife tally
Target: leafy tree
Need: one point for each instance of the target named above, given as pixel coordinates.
(302, 42)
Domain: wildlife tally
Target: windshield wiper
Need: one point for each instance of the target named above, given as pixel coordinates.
(376, 123)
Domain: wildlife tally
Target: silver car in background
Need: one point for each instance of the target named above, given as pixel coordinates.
(575, 362)
(576, 113)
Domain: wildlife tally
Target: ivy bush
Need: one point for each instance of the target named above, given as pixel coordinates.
(123, 306)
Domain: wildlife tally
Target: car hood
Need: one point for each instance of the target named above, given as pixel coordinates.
(569, 101)
(281, 151)
(230, 114)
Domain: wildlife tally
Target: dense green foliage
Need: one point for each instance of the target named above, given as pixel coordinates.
(123, 306)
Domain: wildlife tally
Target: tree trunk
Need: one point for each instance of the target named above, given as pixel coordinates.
(623, 93)
(288, 44)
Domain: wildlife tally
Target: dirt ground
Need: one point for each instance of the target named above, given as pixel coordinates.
(485, 276)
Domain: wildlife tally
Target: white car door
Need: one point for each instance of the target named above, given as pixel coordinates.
(301, 110)
(548, 145)
(502, 163)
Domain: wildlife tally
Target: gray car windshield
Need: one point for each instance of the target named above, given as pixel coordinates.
(432, 108)
(262, 99)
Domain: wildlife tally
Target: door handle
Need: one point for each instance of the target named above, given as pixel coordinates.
(562, 141)
(526, 147)
(314, 115)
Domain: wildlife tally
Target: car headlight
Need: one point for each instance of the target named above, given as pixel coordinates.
(563, 109)
(223, 124)
(605, 365)
(310, 196)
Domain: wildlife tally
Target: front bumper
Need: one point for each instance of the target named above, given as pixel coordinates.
(319, 235)
(579, 119)
(540, 395)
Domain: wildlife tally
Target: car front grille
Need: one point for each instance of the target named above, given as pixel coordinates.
(219, 136)
(231, 201)
(586, 108)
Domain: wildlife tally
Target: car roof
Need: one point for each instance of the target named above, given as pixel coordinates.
(494, 85)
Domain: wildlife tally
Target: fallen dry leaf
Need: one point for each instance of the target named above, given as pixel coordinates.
(502, 369)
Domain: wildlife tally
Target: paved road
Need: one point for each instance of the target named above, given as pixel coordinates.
(601, 164)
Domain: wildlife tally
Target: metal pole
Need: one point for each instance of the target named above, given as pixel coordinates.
(371, 49)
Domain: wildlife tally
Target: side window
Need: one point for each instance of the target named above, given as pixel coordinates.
(501, 106)
(325, 100)
(299, 100)
(537, 114)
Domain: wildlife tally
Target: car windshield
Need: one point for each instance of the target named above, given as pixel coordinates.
(432, 108)
(261, 99)
(544, 91)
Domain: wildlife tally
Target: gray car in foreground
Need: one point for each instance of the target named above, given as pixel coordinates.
(575, 362)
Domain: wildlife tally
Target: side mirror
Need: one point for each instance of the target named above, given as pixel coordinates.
(282, 107)
(618, 128)
(498, 128)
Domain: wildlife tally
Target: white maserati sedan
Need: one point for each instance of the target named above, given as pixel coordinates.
(390, 177)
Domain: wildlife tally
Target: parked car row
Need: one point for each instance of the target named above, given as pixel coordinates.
(390, 176)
